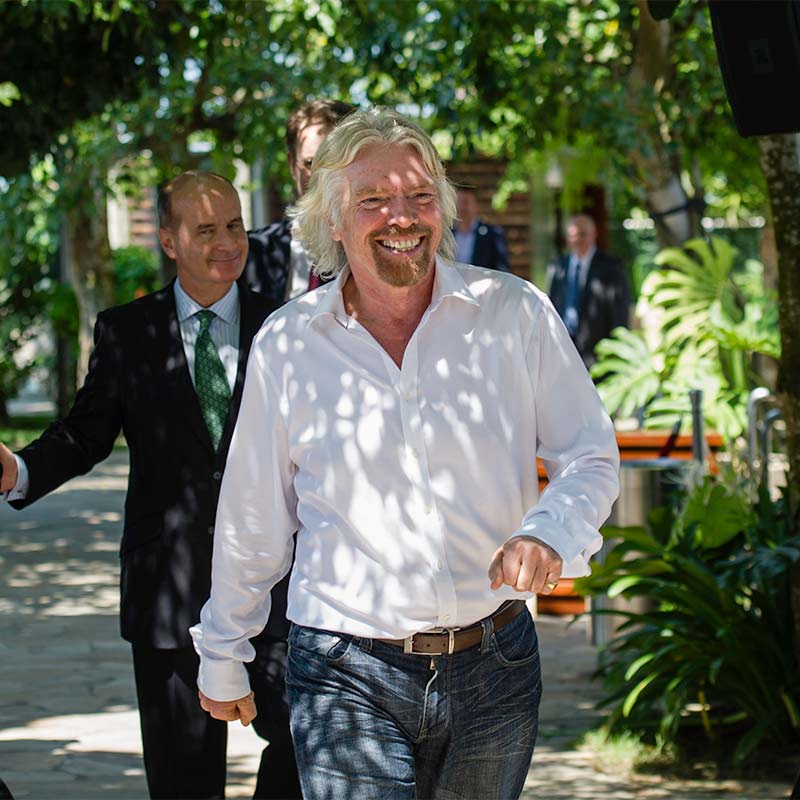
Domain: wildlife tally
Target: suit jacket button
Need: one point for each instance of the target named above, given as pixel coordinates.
(210, 530)
(216, 476)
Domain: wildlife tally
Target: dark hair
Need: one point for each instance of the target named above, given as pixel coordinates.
(170, 187)
(324, 111)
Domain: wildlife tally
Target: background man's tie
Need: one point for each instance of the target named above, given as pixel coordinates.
(210, 380)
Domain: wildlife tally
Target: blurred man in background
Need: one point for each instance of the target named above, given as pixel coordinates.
(478, 242)
(589, 288)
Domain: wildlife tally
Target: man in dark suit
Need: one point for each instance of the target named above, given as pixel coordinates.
(167, 370)
(478, 242)
(589, 288)
(277, 266)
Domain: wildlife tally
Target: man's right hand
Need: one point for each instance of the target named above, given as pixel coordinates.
(243, 709)
(9, 465)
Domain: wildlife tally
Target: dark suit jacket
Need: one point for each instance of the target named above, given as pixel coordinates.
(490, 247)
(139, 382)
(269, 260)
(604, 300)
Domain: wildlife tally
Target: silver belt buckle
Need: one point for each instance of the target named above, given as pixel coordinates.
(408, 642)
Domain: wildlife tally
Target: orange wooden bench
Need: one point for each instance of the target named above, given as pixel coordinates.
(633, 445)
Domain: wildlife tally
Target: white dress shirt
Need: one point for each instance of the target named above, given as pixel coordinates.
(401, 482)
(224, 332)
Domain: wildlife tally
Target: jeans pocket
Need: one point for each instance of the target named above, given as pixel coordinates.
(325, 645)
(516, 644)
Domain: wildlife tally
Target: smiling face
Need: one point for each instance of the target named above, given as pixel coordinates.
(206, 238)
(391, 223)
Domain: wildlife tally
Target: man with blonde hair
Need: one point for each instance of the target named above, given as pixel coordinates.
(392, 419)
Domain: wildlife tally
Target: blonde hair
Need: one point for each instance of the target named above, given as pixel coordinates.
(320, 207)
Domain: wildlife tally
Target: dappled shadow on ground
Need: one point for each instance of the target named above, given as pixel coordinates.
(65, 675)
(69, 726)
(39, 768)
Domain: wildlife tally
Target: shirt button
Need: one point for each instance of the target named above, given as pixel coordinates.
(210, 530)
(446, 617)
(438, 565)
(216, 476)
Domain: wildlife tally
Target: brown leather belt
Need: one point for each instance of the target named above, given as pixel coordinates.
(445, 641)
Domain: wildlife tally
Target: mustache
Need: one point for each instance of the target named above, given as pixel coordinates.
(393, 230)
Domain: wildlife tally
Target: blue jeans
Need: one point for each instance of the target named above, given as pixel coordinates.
(369, 721)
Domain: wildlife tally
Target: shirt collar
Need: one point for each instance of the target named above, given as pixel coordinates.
(227, 307)
(448, 282)
(587, 259)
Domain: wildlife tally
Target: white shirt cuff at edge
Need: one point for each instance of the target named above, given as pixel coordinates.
(220, 679)
(20, 491)
(552, 533)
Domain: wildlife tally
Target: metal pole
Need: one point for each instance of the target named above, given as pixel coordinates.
(698, 433)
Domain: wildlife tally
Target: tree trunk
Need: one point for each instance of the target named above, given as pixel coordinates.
(780, 163)
(658, 172)
(90, 267)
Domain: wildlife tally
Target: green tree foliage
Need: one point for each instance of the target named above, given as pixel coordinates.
(30, 237)
(200, 84)
(63, 60)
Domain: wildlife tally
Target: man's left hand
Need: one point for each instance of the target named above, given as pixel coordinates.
(527, 564)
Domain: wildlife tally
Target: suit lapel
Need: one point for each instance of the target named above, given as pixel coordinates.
(561, 294)
(249, 323)
(586, 281)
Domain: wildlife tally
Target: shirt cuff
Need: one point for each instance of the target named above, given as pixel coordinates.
(220, 679)
(575, 551)
(20, 491)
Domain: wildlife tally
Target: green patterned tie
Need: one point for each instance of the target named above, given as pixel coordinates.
(210, 380)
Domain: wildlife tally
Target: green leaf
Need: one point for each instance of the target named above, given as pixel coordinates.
(8, 93)
(621, 585)
(750, 741)
(633, 696)
(638, 664)
(720, 516)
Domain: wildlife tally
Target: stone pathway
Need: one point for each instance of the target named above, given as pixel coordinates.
(68, 720)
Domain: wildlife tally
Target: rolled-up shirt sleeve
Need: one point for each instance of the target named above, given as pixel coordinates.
(256, 518)
(577, 443)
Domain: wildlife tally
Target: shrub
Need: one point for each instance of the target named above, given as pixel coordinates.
(714, 652)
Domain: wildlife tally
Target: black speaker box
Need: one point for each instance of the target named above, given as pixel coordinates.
(758, 44)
